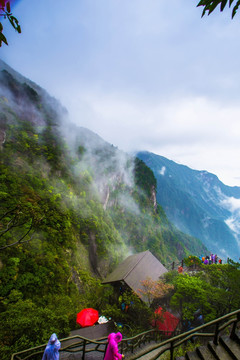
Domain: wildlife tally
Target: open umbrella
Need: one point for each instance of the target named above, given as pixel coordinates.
(167, 322)
(87, 317)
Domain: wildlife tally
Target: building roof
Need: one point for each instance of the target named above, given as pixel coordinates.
(135, 269)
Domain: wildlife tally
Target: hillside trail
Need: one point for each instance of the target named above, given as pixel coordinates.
(95, 355)
(100, 331)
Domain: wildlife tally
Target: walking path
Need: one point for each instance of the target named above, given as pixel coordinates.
(148, 356)
(99, 356)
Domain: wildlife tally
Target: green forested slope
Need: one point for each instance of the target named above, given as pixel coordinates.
(70, 211)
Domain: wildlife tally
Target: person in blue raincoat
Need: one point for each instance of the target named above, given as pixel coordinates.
(52, 349)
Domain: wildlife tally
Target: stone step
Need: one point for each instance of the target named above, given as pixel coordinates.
(205, 353)
(231, 346)
(192, 355)
(219, 352)
(227, 349)
(237, 336)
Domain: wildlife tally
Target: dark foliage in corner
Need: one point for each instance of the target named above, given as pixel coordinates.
(210, 5)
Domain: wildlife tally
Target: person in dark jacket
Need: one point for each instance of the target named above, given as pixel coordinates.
(198, 318)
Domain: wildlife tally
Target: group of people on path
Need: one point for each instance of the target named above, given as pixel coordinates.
(206, 260)
(52, 349)
(212, 259)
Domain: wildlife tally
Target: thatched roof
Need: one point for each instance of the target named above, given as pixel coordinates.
(135, 269)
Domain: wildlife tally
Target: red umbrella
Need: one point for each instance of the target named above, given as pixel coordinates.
(167, 322)
(87, 317)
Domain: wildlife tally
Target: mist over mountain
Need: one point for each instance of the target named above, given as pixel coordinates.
(199, 204)
(72, 207)
(39, 141)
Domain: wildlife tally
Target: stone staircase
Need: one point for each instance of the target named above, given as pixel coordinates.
(135, 348)
(227, 349)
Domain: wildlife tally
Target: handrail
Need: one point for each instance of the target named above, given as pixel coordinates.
(126, 344)
(176, 341)
(69, 348)
(134, 341)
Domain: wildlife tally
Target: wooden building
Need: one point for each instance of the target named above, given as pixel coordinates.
(134, 269)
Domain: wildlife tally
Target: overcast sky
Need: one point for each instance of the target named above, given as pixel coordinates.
(143, 74)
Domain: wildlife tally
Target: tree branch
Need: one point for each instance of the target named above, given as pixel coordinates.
(8, 212)
(19, 241)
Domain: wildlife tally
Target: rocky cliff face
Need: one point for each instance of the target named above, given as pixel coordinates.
(154, 198)
(2, 132)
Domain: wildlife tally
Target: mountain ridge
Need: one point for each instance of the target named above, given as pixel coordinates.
(198, 203)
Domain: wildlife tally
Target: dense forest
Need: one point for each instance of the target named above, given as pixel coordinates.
(72, 207)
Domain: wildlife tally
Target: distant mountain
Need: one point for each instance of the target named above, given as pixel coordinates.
(199, 204)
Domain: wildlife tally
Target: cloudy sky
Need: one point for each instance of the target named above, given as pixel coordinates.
(143, 74)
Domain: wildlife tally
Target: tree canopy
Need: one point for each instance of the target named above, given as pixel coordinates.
(213, 288)
(210, 5)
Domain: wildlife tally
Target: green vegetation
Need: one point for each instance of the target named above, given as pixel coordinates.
(210, 5)
(212, 288)
(69, 213)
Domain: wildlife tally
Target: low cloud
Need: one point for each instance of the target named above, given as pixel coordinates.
(233, 221)
(232, 204)
(128, 203)
(162, 171)
(233, 225)
(142, 75)
(193, 131)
